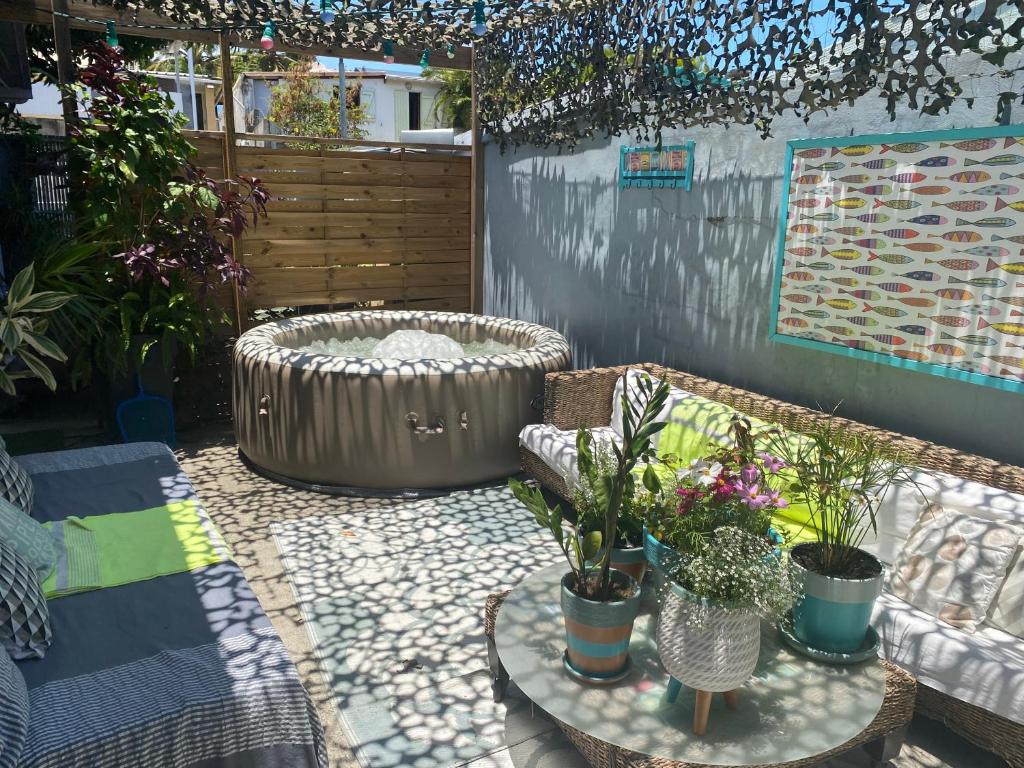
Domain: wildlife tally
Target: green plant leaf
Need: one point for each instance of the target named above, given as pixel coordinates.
(10, 334)
(591, 545)
(21, 288)
(44, 346)
(39, 368)
(45, 301)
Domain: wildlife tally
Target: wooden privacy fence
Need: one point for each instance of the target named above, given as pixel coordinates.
(354, 223)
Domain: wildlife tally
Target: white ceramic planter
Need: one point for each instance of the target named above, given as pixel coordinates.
(704, 645)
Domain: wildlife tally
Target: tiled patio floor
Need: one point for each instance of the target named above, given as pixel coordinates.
(244, 506)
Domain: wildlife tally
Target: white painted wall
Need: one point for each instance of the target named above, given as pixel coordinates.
(684, 278)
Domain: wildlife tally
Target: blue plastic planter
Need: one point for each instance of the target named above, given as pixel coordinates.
(833, 615)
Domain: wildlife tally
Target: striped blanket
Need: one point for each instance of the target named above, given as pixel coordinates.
(183, 670)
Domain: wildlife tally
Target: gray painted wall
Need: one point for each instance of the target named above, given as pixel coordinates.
(684, 278)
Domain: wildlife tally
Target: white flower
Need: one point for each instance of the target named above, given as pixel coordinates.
(703, 473)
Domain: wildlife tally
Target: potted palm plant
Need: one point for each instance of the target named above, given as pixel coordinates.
(600, 603)
(841, 476)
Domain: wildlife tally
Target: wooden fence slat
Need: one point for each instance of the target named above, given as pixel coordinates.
(376, 228)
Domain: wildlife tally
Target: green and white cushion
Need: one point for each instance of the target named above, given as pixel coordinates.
(28, 537)
(15, 483)
(24, 615)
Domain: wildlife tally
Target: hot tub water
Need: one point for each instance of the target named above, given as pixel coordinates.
(408, 345)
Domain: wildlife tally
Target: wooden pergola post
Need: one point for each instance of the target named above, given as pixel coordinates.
(65, 66)
(227, 86)
(476, 248)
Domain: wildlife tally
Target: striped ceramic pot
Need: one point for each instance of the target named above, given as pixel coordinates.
(630, 560)
(597, 634)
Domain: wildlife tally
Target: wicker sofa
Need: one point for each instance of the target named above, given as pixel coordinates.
(574, 399)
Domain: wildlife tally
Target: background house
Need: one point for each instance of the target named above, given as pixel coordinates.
(393, 102)
(44, 108)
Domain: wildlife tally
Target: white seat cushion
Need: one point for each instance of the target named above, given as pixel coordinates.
(557, 447)
(903, 504)
(985, 668)
(629, 382)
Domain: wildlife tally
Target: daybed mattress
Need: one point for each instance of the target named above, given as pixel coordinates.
(182, 670)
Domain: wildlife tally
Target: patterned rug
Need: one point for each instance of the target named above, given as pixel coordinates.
(393, 599)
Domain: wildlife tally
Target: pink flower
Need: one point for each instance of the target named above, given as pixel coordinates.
(750, 474)
(772, 463)
(724, 487)
(776, 500)
(751, 495)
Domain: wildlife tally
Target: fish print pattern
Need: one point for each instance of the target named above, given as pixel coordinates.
(910, 248)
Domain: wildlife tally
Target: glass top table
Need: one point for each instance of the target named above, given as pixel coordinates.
(792, 709)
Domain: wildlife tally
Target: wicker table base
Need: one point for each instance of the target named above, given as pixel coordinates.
(882, 739)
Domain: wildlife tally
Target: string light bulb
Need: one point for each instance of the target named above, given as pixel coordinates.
(425, 58)
(389, 52)
(112, 40)
(451, 51)
(326, 12)
(267, 41)
(479, 20)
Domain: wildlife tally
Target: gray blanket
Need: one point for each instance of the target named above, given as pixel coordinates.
(183, 671)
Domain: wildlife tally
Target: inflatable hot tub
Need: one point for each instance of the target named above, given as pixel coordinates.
(337, 424)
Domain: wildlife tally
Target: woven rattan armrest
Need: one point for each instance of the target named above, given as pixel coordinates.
(574, 399)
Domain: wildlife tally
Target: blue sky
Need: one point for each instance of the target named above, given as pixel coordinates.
(376, 65)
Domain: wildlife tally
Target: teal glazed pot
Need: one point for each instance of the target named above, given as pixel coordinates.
(833, 614)
(661, 556)
(597, 634)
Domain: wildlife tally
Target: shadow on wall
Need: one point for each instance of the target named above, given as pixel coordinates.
(684, 279)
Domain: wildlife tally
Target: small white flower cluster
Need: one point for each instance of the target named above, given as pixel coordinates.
(743, 571)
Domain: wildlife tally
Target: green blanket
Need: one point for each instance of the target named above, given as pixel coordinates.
(109, 550)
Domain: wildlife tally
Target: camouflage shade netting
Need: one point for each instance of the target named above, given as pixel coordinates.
(557, 73)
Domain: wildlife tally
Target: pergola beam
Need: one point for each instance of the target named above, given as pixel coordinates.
(39, 12)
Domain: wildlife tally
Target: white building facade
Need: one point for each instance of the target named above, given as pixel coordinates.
(392, 103)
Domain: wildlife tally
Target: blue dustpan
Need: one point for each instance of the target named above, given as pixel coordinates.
(146, 418)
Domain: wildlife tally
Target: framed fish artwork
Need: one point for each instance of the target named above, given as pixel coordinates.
(907, 249)
(656, 167)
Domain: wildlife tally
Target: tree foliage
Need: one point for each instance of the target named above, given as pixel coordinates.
(453, 105)
(299, 108)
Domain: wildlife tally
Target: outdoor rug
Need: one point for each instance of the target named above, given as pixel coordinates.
(393, 599)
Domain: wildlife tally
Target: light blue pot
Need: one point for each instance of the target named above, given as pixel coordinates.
(833, 615)
(662, 557)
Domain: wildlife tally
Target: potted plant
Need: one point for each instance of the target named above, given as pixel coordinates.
(599, 603)
(709, 629)
(735, 485)
(164, 226)
(841, 476)
(595, 461)
(24, 345)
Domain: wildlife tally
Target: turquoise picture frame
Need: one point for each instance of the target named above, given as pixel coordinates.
(936, 369)
(656, 178)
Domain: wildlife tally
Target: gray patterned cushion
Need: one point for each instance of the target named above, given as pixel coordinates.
(28, 537)
(13, 712)
(24, 616)
(15, 483)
